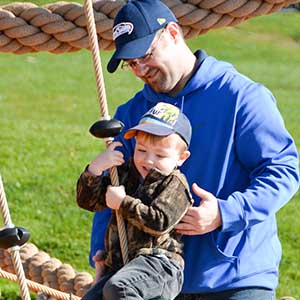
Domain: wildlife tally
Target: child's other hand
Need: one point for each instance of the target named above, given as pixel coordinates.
(114, 196)
(107, 159)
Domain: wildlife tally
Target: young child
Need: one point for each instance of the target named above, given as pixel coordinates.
(152, 197)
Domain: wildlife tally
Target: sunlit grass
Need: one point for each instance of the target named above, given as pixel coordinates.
(48, 102)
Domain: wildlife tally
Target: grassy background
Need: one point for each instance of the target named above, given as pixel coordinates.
(48, 102)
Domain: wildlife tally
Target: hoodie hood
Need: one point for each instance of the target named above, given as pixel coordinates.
(208, 70)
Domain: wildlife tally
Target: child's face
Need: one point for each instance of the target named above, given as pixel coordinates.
(162, 153)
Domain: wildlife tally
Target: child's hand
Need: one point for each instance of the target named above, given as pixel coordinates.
(114, 196)
(107, 159)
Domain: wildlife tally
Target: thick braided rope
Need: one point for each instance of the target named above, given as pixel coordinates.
(15, 255)
(48, 271)
(39, 266)
(37, 287)
(93, 41)
(61, 27)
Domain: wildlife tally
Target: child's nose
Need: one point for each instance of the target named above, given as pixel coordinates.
(150, 159)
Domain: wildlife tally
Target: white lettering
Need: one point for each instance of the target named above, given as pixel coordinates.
(122, 28)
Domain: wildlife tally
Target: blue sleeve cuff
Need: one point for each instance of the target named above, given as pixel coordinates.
(232, 215)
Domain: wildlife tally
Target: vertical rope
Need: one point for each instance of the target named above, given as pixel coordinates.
(15, 254)
(93, 41)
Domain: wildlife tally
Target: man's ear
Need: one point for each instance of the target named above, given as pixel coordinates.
(183, 157)
(174, 30)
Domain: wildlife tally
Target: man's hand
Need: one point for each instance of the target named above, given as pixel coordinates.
(107, 159)
(99, 265)
(114, 196)
(202, 219)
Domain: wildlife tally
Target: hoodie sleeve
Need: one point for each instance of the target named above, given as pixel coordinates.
(100, 221)
(268, 153)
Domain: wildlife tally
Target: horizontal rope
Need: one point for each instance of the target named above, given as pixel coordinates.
(61, 27)
(36, 287)
(51, 272)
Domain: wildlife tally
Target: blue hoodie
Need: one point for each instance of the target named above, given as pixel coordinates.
(241, 153)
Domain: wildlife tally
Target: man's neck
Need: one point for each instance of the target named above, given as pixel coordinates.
(190, 64)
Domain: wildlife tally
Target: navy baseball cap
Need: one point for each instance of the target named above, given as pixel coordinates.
(163, 119)
(135, 27)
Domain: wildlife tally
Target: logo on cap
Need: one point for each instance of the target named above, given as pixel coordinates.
(161, 21)
(163, 112)
(163, 119)
(122, 28)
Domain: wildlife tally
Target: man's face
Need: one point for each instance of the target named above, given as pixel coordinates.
(159, 68)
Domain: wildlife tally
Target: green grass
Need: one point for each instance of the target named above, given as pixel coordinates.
(48, 102)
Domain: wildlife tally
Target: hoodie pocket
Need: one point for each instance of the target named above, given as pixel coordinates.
(215, 268)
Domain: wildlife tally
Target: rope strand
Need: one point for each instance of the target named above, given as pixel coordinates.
(36, 287)
(15, 255)
(104, 111)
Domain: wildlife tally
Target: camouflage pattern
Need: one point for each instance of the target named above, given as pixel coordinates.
(150, 210)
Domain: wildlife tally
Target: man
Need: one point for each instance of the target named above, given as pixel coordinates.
(242, 156)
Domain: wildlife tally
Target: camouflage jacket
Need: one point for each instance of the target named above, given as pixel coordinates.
(150, 210)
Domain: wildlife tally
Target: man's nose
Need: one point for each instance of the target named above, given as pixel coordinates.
(141, 69)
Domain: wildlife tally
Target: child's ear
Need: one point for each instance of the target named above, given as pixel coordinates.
(183, 157)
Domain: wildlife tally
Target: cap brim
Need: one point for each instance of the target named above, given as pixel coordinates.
(134, 49)
(149, 128)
